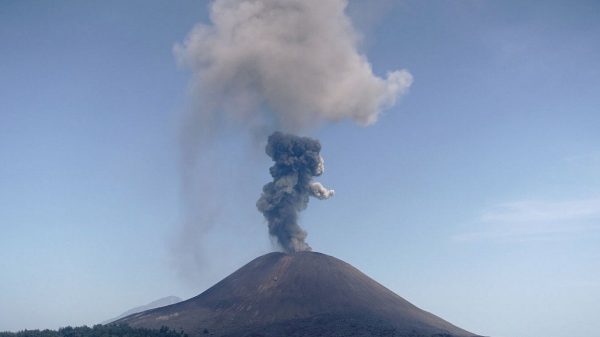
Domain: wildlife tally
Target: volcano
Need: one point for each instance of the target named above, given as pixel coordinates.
(299, 294)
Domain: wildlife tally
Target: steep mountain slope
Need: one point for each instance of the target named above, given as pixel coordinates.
(301, 294)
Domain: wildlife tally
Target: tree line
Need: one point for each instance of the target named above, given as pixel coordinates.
(110, 330)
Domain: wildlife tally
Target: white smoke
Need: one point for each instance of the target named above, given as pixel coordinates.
(292, 64)
(317, 190)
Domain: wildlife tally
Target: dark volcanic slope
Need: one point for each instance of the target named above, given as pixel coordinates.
(301, 294)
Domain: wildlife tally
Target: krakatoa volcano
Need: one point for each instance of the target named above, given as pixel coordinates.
(299, 294)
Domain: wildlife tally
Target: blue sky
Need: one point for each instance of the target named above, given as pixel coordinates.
(476, 197)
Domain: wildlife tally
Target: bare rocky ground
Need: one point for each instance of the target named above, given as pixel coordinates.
(301, 294)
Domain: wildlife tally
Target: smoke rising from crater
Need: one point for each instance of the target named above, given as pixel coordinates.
(265, 65)
(297, 161)
(288, 64)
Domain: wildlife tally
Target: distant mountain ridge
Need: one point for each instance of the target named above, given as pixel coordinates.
(161, 302)
(304, 294)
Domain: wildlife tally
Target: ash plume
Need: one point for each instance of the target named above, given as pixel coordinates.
(263, 65)
(297, 161)
(286, 65)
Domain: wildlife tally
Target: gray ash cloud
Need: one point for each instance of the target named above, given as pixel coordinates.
(297, 161)
(295, 63)
(258, 66)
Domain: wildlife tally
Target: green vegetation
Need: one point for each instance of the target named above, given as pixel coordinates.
(99, 330)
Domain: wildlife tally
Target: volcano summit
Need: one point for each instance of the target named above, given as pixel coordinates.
(299, 294)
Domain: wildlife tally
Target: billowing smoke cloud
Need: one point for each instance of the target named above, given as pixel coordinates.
(297, 161)
(265, 65)
(287, 64)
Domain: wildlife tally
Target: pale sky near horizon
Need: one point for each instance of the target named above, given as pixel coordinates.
(476, 197)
